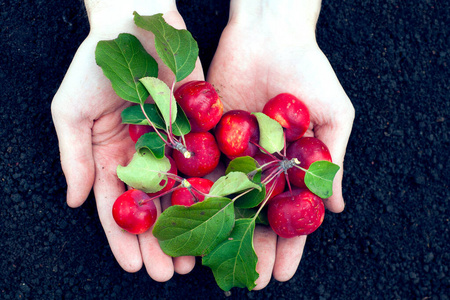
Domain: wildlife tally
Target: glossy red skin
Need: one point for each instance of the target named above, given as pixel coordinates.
(136, 131)
(182, 196)
(132, 216)
(234, 132)
(279, 183)
(307, 150)
(291, 113)
(170, 181)
(205, 155)
(201, 104)
(299, 213)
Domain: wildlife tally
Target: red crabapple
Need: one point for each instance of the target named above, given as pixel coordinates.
(235, 132)
(188, 194)
(201, 104)
(307, 150)
(294, 214)
(204, 155)
(291, 113)
(133, 211)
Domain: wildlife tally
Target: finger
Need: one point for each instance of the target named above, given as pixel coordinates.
(289, 254)
(158, 264)
(124, 246)
(264, 241)
(74, 137)
(184, 264)
(335, 136)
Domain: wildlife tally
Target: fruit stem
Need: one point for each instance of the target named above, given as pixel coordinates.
(153, 125)
(264, 150)
(170, 134)
(160, 195)
(264, 202)
(182, 148)
(274, 174)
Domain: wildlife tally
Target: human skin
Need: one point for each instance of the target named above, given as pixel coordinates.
(268, 48)
(92, 139)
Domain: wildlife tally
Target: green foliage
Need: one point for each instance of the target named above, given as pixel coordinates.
(233, 262)
(177, 48)
(144, 172)
(271, 136)
(319, 178)
(194, 230)
(124, 61)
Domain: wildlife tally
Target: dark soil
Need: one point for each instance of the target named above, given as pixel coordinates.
(392, 240)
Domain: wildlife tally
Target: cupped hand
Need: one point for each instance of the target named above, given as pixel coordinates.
(260, 56)
(93, 142)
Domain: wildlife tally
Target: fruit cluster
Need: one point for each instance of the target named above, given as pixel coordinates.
(292, 211)
(274, 174)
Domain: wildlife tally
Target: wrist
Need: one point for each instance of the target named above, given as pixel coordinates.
(296, 17)
(111, 16)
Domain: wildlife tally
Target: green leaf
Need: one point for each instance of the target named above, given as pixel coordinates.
(252, 198)
(124, 61)
(177, 48)
(244, 164)
(232, 183)
(243, 213)
(134, 115)
(144, 172)
(233, 262)
(271, 136)
(163, 97)
(194, 230)
(319, 178)
(151, 141)
(181, 125)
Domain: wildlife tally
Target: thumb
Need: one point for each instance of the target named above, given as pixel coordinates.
(335, 135)
(75, 145)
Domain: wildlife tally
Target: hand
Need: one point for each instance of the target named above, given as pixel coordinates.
(86, 113)
(265, 51)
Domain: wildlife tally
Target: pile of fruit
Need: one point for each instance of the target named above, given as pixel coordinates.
(273, 174)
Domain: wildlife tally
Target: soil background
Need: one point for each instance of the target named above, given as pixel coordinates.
(392, 240)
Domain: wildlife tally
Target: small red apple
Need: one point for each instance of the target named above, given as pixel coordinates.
(189, 195)
(136, 131)
(201, 104)
(133, 211)
(294, 214)
(235, 132)
(307, 150)
(204, 155)
(291, 113)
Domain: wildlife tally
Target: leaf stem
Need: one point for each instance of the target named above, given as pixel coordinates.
(153, 125)
(264, 150)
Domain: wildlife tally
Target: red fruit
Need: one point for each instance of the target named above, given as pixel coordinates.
(291, 113)
(133, 212)
(201, 104)
(278, 184)
(204, 155)
(235, 132)
(170, 180)
(188, 195)
(136, 131)
(299, 213)
(307, 150)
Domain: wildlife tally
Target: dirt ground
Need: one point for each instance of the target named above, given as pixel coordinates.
(392, 240)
